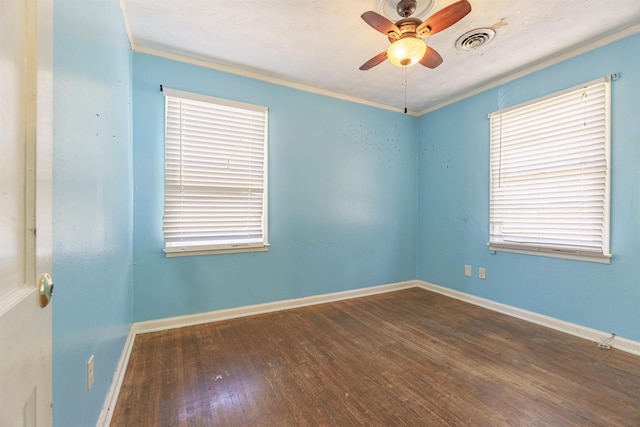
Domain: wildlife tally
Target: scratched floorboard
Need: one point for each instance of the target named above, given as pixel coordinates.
(406, 358)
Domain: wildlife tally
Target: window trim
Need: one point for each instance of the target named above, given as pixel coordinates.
(223, 248)
(556, 252)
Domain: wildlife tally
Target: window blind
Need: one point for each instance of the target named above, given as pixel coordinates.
(549, 166)
(215, 173)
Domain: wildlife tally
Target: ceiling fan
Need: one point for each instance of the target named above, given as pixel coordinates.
(407, 47)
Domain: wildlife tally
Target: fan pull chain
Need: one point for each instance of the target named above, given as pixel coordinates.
(404, 79)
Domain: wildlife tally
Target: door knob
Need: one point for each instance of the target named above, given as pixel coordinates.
(46, 289)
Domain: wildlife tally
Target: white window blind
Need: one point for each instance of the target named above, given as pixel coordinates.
(550, 171)
(215, 174)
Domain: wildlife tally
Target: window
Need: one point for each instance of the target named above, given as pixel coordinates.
(550, 170)
(215, 194)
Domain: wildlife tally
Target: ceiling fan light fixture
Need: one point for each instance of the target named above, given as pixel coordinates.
(406, 51)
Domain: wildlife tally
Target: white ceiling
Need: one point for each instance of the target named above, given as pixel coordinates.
(319, 44)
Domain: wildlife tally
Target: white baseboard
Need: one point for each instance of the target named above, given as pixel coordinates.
(250, 310)
(590, 334)
(116, 382)
(213, 316)
(594, 335)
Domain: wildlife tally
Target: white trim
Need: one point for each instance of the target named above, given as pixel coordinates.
(257, 76)
(550, 96)
(213, 100)
(590, 334)
(580, 331)
(215, 161)
(500, 81)
(116, 382)
(601, 259)
(127, 25)
(14, 296)
(250, 310)
(549, 170)
(170, 252)
(537, 67)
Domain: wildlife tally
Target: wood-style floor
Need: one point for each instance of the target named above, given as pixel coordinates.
(405, 358)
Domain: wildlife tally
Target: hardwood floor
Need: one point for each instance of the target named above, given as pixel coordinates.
(406, 358)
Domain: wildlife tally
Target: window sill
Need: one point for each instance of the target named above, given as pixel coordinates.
(575, 256)
(172, 252)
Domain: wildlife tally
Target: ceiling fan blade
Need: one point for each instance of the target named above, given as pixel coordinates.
(431, 58)
(445, 18)
(374, 61)
(380, 23)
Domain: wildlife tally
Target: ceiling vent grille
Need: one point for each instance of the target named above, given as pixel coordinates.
(473, 39)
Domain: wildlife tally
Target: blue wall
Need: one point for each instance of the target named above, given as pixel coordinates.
(453, 202)
(342, 198)
(92, 204)
(357, 197)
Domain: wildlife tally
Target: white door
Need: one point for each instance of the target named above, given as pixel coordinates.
(26, 49)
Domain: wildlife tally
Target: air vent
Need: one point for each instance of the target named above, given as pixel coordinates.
(475, 38)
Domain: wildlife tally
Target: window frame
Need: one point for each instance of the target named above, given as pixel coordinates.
(192, 248)
(603, 255)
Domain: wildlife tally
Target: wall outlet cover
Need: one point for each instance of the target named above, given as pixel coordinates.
(467, 270)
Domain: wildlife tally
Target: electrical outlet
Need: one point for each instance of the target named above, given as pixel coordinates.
(482, 273)
(467, 270)
(90, 373)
